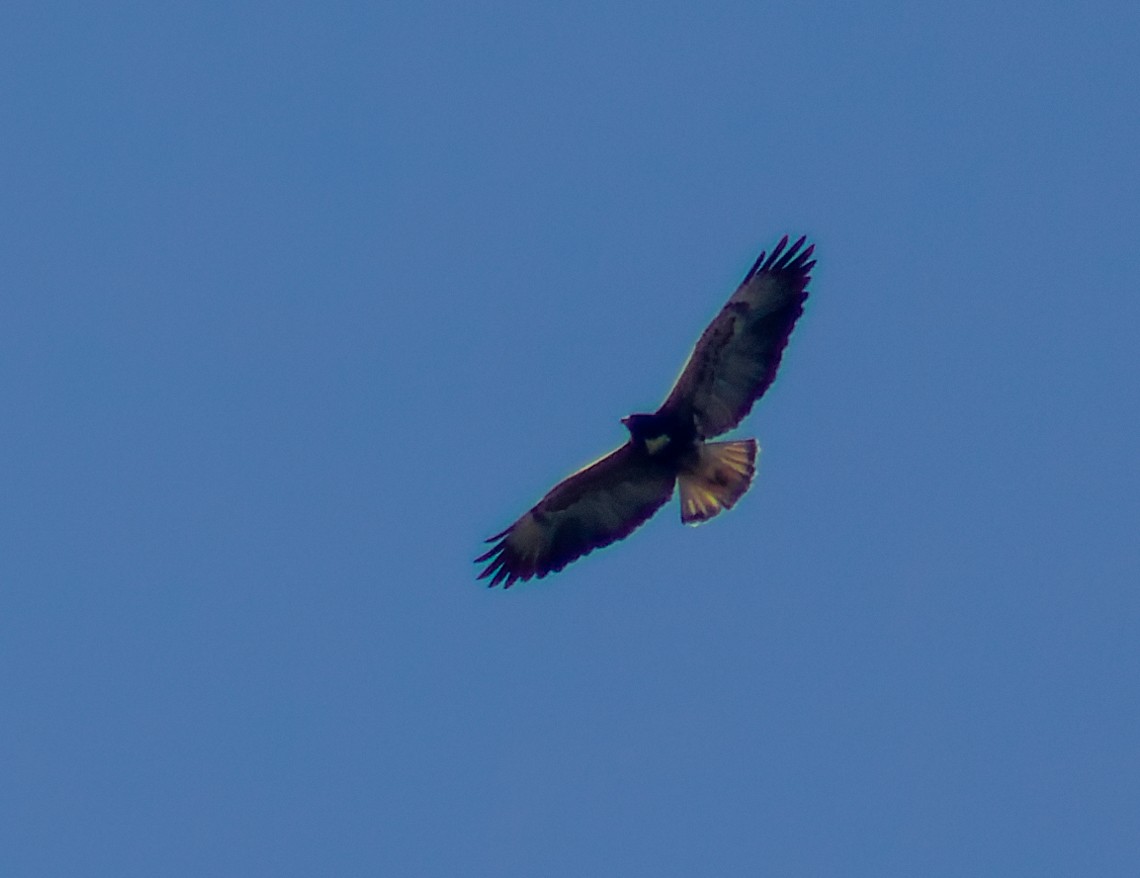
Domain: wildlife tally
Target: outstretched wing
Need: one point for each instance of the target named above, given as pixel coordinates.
(596, 506)
(736, 358)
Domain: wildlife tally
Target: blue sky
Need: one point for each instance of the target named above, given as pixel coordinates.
(302, 301)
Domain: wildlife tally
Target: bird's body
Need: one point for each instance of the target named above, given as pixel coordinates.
(733, 363)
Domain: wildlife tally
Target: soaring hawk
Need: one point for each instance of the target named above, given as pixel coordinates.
(734, 362)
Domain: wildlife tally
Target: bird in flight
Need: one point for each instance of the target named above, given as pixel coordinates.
(734, 362)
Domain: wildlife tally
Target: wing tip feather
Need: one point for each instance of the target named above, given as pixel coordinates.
(505, 567)
(784, 258)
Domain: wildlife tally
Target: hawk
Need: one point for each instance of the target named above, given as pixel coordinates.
(733, 363)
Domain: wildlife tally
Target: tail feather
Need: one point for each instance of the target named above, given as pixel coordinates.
(722, 473)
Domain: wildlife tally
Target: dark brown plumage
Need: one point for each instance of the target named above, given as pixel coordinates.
(733, 363)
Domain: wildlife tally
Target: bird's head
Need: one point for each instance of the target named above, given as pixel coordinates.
(645, 427)
(651, 432)
(638, 425)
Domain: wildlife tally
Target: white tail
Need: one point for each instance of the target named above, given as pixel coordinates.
(722, 473)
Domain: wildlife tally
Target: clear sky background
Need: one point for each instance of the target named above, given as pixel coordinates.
(301, 301)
